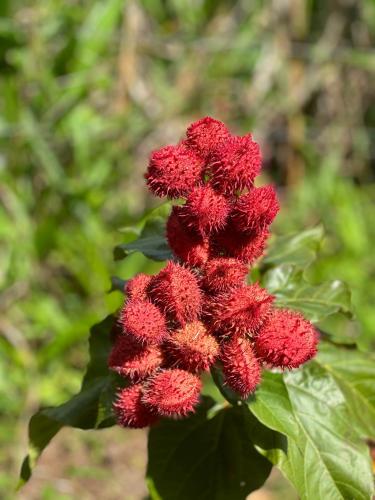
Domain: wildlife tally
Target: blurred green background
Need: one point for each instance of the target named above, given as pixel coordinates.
(88, 88)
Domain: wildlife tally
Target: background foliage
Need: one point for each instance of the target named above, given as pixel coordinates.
(88, 88)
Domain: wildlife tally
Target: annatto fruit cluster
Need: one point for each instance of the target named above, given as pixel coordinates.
(199, 310)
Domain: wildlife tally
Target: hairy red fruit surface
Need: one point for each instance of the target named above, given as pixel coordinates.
(134, 360)
(244, 247)
(206, 134)
(241, 368)
(173, 171)
(223, 274)
(176, 291)
(172, 392)
(186, 243)
(240, 311)
(192, 348)
(205, 210)
(129, 409)
(287, 340)
(144, 321)
(256, 210)
(234, 164)
(137, 286)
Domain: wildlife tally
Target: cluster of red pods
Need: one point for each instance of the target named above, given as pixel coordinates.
(199, 310)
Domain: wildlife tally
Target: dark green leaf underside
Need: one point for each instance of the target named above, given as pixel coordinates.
(205, 459)
(151, 242)
(89, 409)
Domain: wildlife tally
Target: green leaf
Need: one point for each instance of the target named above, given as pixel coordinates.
(117, 284)
(299, 249)
(89, 409)
(354, 372)
(152, 240)
(205, 458)
(316, 302)
(326, 459)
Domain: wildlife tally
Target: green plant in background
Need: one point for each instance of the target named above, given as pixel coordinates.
(312, 422)
(88, 88)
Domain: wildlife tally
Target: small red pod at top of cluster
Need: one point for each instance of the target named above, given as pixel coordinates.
(235, 164)
(205, 210)
(199, 311)
(256, 210)
(174, 170)
(205, 135)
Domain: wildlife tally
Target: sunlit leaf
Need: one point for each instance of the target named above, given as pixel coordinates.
(326, 457)
(354, 372)
(316, 302)
(298, 249)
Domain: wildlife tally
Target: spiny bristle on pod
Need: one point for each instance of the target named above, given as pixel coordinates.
(186, 243)
(172, 393)
(174, 170)
(286, 340)
(234, 164)
(205, 135)
(234, 244)
(223, 274)
(132, 359)
(205, 210)
(239, 312)
(130, 410)
(256, 210)
(241, 368)
(144, 321)
(192, 348)
(136, 287)
(176, 291)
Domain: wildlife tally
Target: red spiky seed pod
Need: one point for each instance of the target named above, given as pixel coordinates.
(172, 393)
(205, 210)
(176, 291)
(244, 247)
(192, 348)
(186, 243)
(234, 164)
(256, 210)
(144, 321)
(241, 368)
(130, 410)
(173, 171)
(240, 311)
(205, 135)
(137, 286)
(223, 274)
(131, 359)
(286, 340)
